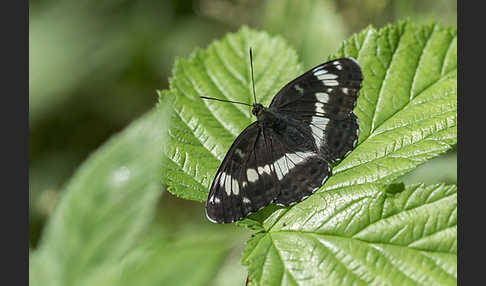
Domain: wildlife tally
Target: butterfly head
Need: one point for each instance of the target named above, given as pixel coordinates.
(257, 110)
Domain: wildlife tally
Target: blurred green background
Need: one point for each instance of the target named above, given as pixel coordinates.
(95, 66)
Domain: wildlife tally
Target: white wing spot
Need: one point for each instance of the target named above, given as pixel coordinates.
(221, 179)
(317, 133)
(260, 170)
(279, 172)
(290, 163)
(244, 184)
(319, 72)
(299, 89)
(319, 107)
(327, 76)
(322, 121)
(267, 170)
(246, 200)
(283, 169)
(236, 188)
(239, 153)
(339, 67)
(305, 154)
(252, 175)
(227, 185)
(217, 200)
(335, 63)
(318, 125)
(299, 157)
(322, 97)
(331, 82)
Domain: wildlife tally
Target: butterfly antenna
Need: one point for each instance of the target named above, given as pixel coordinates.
(224, 100)
(252, 78)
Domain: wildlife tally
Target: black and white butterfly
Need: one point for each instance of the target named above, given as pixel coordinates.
(284, 156)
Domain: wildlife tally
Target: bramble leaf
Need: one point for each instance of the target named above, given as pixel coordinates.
(360, 235)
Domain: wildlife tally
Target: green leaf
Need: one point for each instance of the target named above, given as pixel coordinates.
(202, 131)
(106, 206)
(361, 235)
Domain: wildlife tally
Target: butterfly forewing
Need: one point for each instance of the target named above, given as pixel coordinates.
(244, 182)
(340, 79)
(323, 98)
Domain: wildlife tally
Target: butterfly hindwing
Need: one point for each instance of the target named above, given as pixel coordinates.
(299, 169)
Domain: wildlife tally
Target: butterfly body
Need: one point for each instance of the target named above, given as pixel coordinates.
(284, 156)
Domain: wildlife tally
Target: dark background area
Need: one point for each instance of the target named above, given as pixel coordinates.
(95, 66)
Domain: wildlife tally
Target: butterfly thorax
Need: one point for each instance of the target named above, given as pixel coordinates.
(258, 110)
(267, 117)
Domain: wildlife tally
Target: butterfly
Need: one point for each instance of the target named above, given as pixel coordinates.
(284, 156)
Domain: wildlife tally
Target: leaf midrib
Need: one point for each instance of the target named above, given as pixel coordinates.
(422, 52)
(447, 55)
(380, 91)
(271, 228)
(310, 233)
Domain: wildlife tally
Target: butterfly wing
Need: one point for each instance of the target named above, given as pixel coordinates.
(244, 183)
(323, 98)
(299, 169)
(286, 164)
(265, 165)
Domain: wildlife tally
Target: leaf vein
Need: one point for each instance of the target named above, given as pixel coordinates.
(442, 69)
(404, 211)
(387, 74)
(422, 52)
